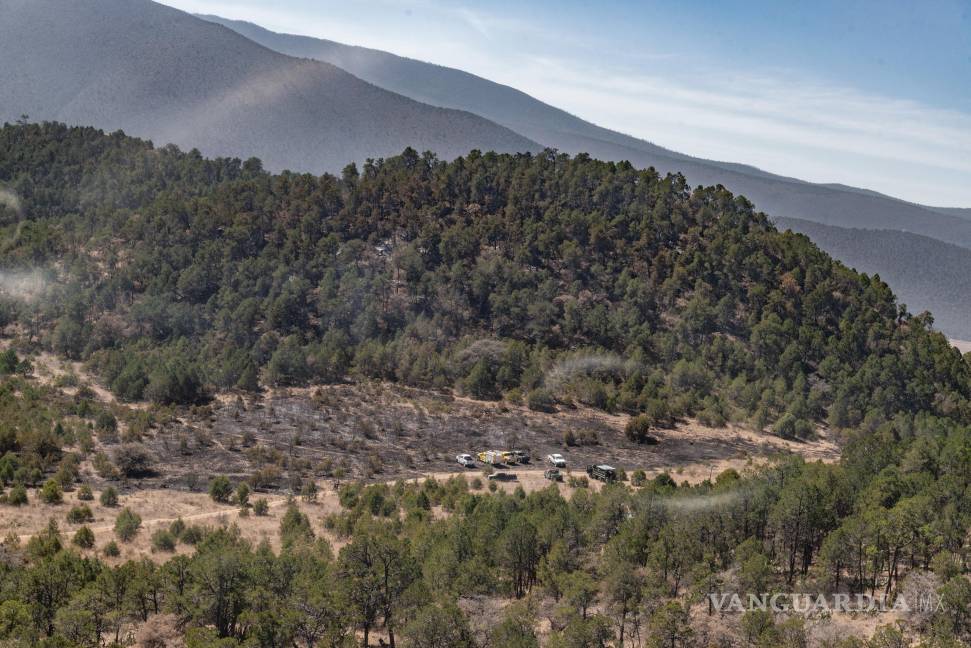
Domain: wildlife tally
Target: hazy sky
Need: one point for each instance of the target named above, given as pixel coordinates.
(871, 94)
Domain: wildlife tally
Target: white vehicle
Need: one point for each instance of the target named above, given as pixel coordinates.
(556, 460)
(466, 460)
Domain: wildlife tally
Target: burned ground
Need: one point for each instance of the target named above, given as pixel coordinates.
(378, 431)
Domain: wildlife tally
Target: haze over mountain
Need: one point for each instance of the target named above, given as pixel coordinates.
(161, 73)
(960, 212)
(925, 273)
(776, 195)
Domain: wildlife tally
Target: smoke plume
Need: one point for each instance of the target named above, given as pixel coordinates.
(699, 503)
(568, 368)
(11, 201)
(23, 285)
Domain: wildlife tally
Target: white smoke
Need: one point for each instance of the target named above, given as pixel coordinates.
(568, 368)
(11, 201)
(699, 503)
(491, 350)
(23, 285)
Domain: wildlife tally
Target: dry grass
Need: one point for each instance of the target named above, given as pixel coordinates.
(371, 431)
(158, 508)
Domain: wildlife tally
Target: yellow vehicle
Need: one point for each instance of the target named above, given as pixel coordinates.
(491, 457)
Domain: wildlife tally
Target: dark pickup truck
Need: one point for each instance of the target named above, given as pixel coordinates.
(602, 472)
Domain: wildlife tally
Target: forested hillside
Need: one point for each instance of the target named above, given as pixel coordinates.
(830, 205)
(168, 273)
(542, 278)
(922, 270)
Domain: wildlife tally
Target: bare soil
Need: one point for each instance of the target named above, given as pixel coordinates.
(380, 431)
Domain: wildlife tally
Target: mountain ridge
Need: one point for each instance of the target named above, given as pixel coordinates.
(780, 196)
(161, 73)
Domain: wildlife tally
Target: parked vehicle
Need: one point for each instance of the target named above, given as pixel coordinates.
(556, 460)
(509, 456)
(502, 476)
(521, 456)
(465, 460)
(553, 474)
(602, 472)
(492, 457)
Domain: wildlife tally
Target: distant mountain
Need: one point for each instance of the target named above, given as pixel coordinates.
(161, 73)
(926, 274)
(960, 212)
(776, 195)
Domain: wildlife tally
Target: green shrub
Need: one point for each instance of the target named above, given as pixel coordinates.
(67, 380)
(664, 481)
(540, 400)
(112, 550)
(242, 495)
(261, 507)
(578, 482)
(33, 476)
(309, 491)
(792, 427)
(67, 473)
(104, 466)
(193, 534)
(176, 382)
(109, 497)
(85, 494)
(106, 422)
(163, 540)
(133, 460)
(51, 492)
(220, 489)
(177, 528)
(84, 538)
(127, 525)
(481, 382)
(638, 429)
(295, 527)
(638, 477)
(17, 495)
(8, 361)
(80, 515)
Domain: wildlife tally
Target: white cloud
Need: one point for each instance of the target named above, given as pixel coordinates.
(796, 127)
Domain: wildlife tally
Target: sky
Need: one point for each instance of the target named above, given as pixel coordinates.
(860, 92)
